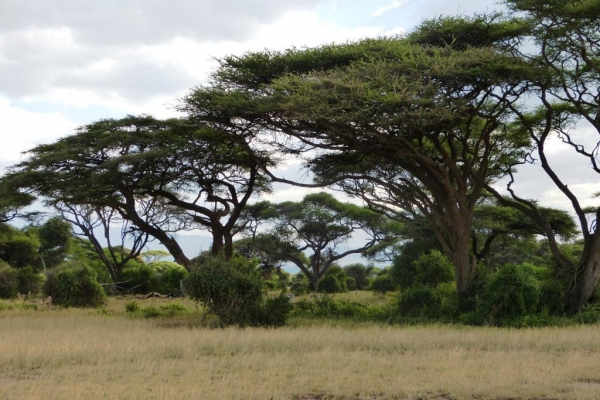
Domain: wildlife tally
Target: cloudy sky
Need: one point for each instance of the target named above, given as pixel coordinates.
(64, 63)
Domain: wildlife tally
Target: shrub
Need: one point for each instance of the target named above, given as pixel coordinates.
(151, 312)
(589, 315)
(132, 306)
(299, 284)
(173, 309)
(334, 281)
(433, 269)
(323, 305)
(30, 281)
(75, 286)
(383, 283)
(360, 274)
(169, 277)
(231, 290)
(511, 292)
(9, 282)
(420, 301)
(276, 310)
(141, 278)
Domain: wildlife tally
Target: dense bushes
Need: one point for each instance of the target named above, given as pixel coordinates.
(159, 276)
(21, 280)
(336, 280)
(74, 286)
(325, 306)
(440, 302)
(233, 291)
(511, 292)
(9, 282)
(383, 282)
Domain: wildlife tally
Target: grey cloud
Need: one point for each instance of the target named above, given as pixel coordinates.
(146, 21)
(35, 61)
(131, 80)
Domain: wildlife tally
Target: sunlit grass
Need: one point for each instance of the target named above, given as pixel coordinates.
(72, 354)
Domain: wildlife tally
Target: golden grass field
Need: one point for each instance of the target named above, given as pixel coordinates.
(87, 354)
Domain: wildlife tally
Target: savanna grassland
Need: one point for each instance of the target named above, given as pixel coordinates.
(76, 354)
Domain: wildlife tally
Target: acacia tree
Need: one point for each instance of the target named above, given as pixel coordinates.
(89, 222)
(409, 125)
(560, 42)
(140, 166)
(319, 224)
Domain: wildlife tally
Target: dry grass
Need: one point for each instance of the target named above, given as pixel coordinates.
(76, 354)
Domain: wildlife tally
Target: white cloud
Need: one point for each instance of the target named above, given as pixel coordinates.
(22, 130)
(395, 4)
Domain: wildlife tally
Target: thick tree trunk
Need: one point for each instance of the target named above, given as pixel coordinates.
(464, 270)
(222, 244)
(459, 250)
(587, 275)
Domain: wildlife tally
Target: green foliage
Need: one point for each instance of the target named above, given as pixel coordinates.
(30, 281)
(325, 306)
(440, 302)
(319, 224)
(232, 290)
(75, 286)
(151, 312)
(17, 248)
(433, 269)
(173, 309)
(360, 273)
(132, 306)
(589, 315)
(276, 310)
(334, 281)
(140, 278)
(299, 284)
(9, 282)
(171, 274)
(511, 292)
(55, 241)
(383, 282)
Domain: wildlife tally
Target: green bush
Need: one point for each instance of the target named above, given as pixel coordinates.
(30, 281)
(383, 283)
(169, 277)
(231, 290)
(151, 312)
(360, 274)
(132, 306)
(511, 292)
(299, 284)
(433, 269)
(9, 282)
(420, 301)
(173, 309)
(324, 306)
(75, 286)
(334, 281)
(276, 310)
(141, 278)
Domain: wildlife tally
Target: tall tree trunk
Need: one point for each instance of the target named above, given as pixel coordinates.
(586, 276)
(222, 244)
(464, 262)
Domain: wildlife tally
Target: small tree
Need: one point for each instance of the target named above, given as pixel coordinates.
(232, 290)
(320, 224)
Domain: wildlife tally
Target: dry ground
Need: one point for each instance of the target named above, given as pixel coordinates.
(86, 354)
